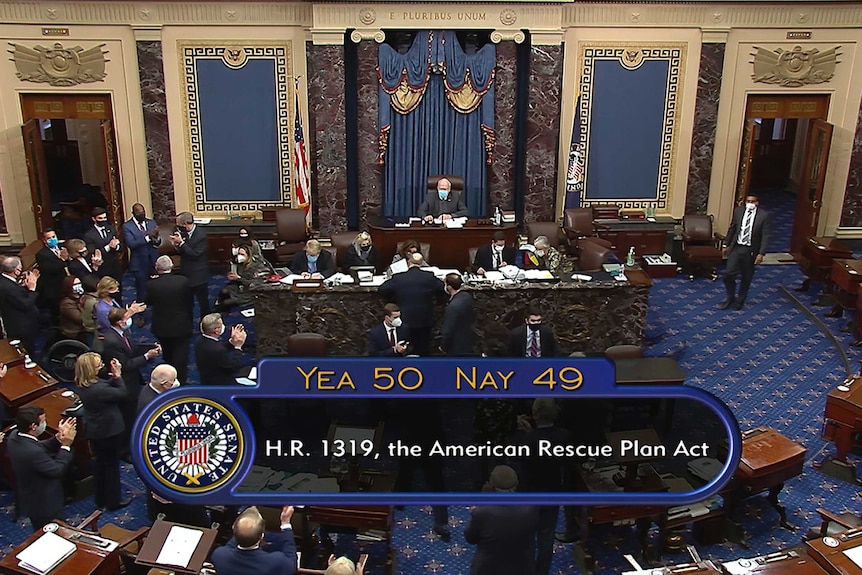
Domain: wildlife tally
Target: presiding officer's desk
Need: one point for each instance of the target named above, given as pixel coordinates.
(587, 316)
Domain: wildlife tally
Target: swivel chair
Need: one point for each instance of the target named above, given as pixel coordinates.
(701, 247)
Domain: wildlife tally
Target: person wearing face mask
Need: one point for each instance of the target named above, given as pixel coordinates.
(544, 257)
(744, 247)
(532, 339)
(141, 235)
(236, 292)
(40, 465)
(81, 262)
(18, 302)
(391, 338)
(219, 362)
(361, 252)
(246, 238)
(108, 291)
(190, 240)
(314, 262)
(71, 312)
(495, 255)
(117, 345)
(101, 398)
(443, 203)
(103, 237)
(53, 261)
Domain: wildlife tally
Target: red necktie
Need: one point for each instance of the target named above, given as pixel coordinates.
(126, 341)
(392, 337)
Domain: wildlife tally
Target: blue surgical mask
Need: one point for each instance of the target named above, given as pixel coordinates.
(127, 324)
(442, 194)
(53, 243)
(312, 258)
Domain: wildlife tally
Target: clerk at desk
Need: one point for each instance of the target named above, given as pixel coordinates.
(314, 262)
(444, 203)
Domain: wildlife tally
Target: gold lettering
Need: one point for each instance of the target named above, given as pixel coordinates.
(471, 381)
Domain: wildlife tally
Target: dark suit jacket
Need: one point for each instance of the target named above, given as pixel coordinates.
(759, 230)
(505, 539)
(378, 340)
(414, 292)
(39, 469)
(485, 260)
(168, 296)
(351, 258)
(277, 556)
(142, 254)
(18, 310)
(218, 361)
(457, 336)
(147, 395)
(518, 342)
(77, 269)
(110, 264)
(193, 258)
(132, 359)
(52, 270)
(102, 416)
(325, 264)
(432, 205)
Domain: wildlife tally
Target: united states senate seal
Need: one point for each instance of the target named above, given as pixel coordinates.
(192, 445)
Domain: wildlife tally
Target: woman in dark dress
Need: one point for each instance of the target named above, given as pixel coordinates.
(361, 252)
(103, 425)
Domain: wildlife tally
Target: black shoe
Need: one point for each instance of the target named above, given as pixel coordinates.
(444, 532)
(739, 305)
(120, 505)
(726, 303)
(566, 536)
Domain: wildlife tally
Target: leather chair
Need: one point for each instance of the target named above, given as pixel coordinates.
(291, 233)
(551, 230)
(456, 181)
(701, 247)
(472, 253)
(342, 241)
(832, 524)
(624, 352)
(306, 345)
(592, 256)
(579, 226)
(424, 249)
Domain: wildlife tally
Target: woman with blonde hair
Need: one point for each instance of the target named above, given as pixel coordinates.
(103, 425)
(361, 252)
(106, 291)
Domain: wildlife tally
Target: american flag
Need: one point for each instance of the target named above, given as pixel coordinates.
(189, 436)
(300, 162)
(575, 173)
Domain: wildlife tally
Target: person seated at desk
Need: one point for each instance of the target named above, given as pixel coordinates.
(390, 338)
(545, 256)
(361, 252)
(495, 255)
(252, 550)
(444, 203)
(236, 291)
(313, 262)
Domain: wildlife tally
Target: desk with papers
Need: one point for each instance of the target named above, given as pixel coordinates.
(67, 551)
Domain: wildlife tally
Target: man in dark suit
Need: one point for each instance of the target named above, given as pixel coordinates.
(390, 338)
(313, 262)
(169, 297)
(141, 235)
(252, 550)
(18, 302)
(532, 339)
(191, 242)
(219, 362)
(40, 465)
(456, 334)
(744, 246)
(52, 260)
(444, 203)
(132, 358)
(504, 535)
(103, 237)
(495, 255)
(414, 291)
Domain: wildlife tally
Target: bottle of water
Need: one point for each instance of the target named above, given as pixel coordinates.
(498, 216)
(630, 258)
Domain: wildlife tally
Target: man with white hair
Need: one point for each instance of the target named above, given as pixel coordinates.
(219, 361)
(163, 378)
(343, 566)
(504, 535)
(314, 262)
(169, 296)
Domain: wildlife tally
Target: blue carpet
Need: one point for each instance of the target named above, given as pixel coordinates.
(769, 363)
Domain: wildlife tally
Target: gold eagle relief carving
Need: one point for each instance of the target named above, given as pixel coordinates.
(796, 67)
(59, 66)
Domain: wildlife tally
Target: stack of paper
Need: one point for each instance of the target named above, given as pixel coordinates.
(338, 278)
(179, 546)
(290, 278)
(538, 275)
(45, 553)
(375, 281)
(398, 267)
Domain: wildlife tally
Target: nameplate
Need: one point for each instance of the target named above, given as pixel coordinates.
(307, 285)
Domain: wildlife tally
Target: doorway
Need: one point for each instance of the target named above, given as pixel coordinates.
(785, 147)
(71, 160)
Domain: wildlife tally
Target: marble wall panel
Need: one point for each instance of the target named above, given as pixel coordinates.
(152, 76)
(543, 132)
(705, 123)
(326, 113)
(369, 171)
(501, 172)
(851, 213)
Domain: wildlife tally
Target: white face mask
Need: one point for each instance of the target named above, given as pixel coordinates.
(540, 253)
(77, 289)
(749, 206)
(175, 384)
(234, 251)
(221, 331)
(40, 429)
(396, 322)
(241, 259)
(498, 249)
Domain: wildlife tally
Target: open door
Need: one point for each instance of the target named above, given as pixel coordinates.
(810, 197)
(40, 192)
(112, 180)
(746, 157)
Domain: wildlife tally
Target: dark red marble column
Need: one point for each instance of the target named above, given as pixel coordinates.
(543, 133)
(326, 112)
(851, 213)
(501, 171)
(370, 173)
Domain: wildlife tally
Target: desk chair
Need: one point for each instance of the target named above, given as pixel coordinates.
(592, 256)
(128, 542)
(424, 249)
(291, 233)
(550, 230)
(832, 524)
(624, 352)
(342, 241)
(456, 181)
(701, 248)
(579, 226)
(306, 345)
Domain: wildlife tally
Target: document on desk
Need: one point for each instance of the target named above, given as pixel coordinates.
(45, 553)
(494, 276)
(179, 546)
(855, 555)
(398, 267)
(375, 281)
(290, 278)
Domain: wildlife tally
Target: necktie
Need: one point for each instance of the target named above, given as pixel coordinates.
(496, 259)
(126, 341)
(103, 233)
(745, 234)
(534, 344)
(312, 267)
(143, 227)
(392, 337)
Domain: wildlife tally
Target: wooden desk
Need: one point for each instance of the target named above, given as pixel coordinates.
(450, 248)
(22, 385)
(794, 561)
(843, 417)
(652, 371)
(832, 559)
(87, 560)
(54, 405)
(644, 236)
(156, 539)
(816, 258)
(846, 275)
(360, 517)
(9, 354)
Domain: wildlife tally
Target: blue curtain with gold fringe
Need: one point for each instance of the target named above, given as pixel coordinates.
(436, 116)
